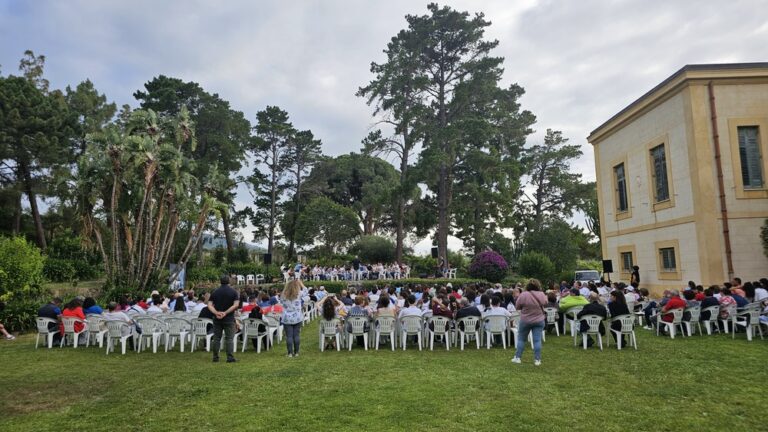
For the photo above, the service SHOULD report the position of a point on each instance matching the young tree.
(270, 147)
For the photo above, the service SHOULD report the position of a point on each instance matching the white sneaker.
(537, 362)
(648, 328)
(516, 360)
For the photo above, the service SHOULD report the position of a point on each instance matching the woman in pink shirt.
(531, 305)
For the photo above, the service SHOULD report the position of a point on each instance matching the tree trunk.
(296, 210)
(39, 231)
(273, 206)
(227, 232)
(17, 215)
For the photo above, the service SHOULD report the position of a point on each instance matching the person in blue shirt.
(90, 307)
(740, 301)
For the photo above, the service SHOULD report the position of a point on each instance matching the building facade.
(682, 178)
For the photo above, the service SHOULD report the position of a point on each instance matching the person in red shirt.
(73, 309)
(675, 302)
(700, 293)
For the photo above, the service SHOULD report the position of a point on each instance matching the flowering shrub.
(488, 265)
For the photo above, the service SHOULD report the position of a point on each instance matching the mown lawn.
(695, 384)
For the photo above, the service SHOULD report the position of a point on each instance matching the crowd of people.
(353, 271)
(393, 299)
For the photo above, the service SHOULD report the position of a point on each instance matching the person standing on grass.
(293, 315)
(222, 304)
(530, 304)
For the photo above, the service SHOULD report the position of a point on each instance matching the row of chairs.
(457, 332)
(747, 317)
(249, 279)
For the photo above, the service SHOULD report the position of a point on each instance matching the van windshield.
(587, 275)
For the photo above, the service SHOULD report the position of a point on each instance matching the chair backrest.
(713, 312)
(271, 320)
(69, 323)
(329, 327)
(627, 322)
(496, 323)
(251, 327)
(94, 322)
(551, 314)
(411, 324)
(386, 324)
(593, 321)
(470, 324)
(439, 323)
(677, 316)
(151, 325)
(177, 325)
(754, 315)
(572, 312)
(115, 327)
(357, 324)
(200, 326)
(514, 320)
(42, 324)
(695, 312)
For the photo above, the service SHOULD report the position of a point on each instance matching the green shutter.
(751, 159)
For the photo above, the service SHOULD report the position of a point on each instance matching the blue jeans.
(292, 332)
(522, 337)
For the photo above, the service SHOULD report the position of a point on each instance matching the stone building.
(682, 178)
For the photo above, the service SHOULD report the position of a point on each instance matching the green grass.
(696, 384)
(66, 289)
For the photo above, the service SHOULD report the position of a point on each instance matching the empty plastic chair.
(47, 328)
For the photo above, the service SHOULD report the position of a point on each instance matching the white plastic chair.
(551, 319)
(254, 328)
(259, 278)
(385, 326)
(627, 328)
(711, 323)
(152, 329)
(495, 325)
(200, 331)
(439, 326)
(356, 327)
(411, 326)
(470, 329)
(695, 316)
(178, 328)
(69, 330)
(250, 279)
(640, 314)
(730, 320)
(329, 330)
(240, 279)
(570, 318)
(749, 318)
(96, 329)
(44, 331)
(275, 328)
(677, 321)
(593, 321)
(115, 332)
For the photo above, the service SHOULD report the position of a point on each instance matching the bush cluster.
(488, 265)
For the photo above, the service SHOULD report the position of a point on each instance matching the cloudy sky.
(579, 61)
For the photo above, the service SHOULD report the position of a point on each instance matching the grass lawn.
(695, 384)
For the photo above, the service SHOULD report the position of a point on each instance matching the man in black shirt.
(52, 310)
(223, 303)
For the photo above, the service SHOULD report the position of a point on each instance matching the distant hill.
(212, 242)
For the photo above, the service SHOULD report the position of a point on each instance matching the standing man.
(222, 304)
(635, 281)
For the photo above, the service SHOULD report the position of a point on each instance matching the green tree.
(304, 151)
(271, 148)
(21, 269)
(536, 265)
(139, 177)
(556, 190)
(223, 135)
(374, 249)
(363, 183)
(34, 128)
(555, 239)
(326, 224)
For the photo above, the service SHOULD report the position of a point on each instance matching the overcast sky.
(579, 61)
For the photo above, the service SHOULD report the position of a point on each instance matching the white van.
(587, 275)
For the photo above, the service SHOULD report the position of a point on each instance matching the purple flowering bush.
(488, 265)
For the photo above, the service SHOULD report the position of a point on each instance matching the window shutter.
(750, 157)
